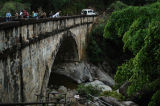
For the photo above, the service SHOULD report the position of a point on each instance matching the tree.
(138, 28)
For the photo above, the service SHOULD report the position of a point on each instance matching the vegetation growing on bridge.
(138, 28)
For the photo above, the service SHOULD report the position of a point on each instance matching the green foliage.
(117, 6)
(155, 101)
(124, 72)
(138, 2)
(94, 50)
(138, 28)
(13, 7)
(89, 90)
(68, 7)
(95, 57)
(114, 94)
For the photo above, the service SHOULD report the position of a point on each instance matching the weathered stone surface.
(28, 51)
(10, 79)
(100, 85)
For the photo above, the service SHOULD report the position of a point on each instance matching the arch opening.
(67, 53)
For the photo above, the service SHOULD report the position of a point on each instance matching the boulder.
(76, 71)
(100, 85)
(93, 104)
(129, 103)
(84, 72)
(111, 101)
(99, 74)
(62, 89)
(105, 78)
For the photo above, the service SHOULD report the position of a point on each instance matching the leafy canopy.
(139, 29)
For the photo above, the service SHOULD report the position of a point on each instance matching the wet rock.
(100, 85)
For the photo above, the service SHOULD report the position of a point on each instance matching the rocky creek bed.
(65, 78)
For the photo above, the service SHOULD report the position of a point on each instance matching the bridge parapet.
(23, 32)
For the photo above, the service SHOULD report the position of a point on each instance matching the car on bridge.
(88, 12)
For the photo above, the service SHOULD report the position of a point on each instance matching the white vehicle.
(88, 12)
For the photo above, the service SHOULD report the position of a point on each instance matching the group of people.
(21, 14)
(25, 14)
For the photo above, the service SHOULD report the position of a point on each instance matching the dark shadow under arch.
(68, 52)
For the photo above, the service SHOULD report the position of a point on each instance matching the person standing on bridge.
(50, 14)
(25, 14)
(34, 14)
(21, 14)
(16, 15)
(56, 15)
(8, 16)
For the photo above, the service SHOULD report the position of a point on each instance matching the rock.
(62, 101)
(129, 103)
(117, 90)
(62, 89)
(105, 78)
(93, 104)
(107, 67)
(111, 101)
(76, 71)
(84, 72)
(100, 85)
(123, 88)
(99, 74)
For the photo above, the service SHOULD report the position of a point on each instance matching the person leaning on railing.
(8, 16)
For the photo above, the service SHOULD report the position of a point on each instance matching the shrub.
(13, 7)
(114, 94)
(89, 90)
(118, 5)
(94, 48)
(155, 101)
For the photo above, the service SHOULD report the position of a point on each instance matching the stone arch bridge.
(29, 49)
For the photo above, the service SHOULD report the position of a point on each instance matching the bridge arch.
(67, 51)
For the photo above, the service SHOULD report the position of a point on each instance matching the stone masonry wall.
(27, 52)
